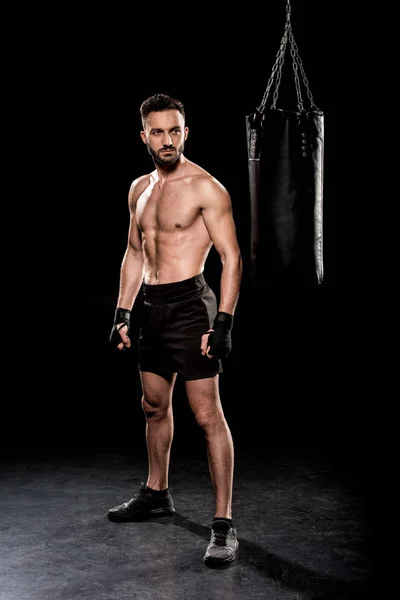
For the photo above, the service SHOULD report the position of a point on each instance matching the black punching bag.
(285, 162)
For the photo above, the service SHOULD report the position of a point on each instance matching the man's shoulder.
(202, 178)
(208, 183)
(142, 180)
(139, 184)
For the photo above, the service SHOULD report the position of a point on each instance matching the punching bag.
(285, 166)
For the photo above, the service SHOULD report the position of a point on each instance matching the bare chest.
(170, 208)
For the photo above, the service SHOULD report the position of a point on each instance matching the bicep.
(134, 235)
(219, 221)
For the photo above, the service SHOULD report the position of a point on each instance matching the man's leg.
(157, 407)
(204, 399)
(153, 499)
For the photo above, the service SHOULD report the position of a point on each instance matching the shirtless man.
(177, 212)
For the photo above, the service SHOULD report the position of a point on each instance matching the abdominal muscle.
(174, 256)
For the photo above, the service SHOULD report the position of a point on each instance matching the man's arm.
(131, 272)
(218, 218)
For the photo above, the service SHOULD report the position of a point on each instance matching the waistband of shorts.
(175, 291)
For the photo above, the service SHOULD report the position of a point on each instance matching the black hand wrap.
(219, 340)
(122, 317)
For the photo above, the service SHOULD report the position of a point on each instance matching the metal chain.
(279, 59)
(277, 68)
(295, 51)
(279, 71)
(296, 74)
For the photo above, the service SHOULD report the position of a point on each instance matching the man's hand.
(217, 342)
(123, 333)
(119, 336)
(205, 348)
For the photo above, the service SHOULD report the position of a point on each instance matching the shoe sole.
(215, 562)
(151, 514)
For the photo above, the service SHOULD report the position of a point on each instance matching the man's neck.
(166, 172)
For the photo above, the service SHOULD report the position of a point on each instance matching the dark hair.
(158, 103)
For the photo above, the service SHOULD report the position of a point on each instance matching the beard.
(165, 160)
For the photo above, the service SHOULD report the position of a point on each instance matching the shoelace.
(219, 537)
(138, 497)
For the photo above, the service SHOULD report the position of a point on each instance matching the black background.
(291, 380)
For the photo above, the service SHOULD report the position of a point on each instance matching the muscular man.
(177, 212)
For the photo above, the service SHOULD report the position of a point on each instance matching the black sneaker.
(224, 544)
(144, 505)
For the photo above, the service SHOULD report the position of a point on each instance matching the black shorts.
(175, 316)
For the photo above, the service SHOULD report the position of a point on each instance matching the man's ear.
(143, 136)
(186, 132)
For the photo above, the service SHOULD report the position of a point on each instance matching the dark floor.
(302, 519)
(72, 446)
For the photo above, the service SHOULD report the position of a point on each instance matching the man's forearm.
(231, 277)
(131, 278)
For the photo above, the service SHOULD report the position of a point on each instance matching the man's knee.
(154, 408)
(209, 418)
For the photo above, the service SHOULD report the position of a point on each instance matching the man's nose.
(167, 140)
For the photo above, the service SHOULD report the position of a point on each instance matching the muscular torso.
(175, 239)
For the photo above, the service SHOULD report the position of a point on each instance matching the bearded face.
(165, 134)
(166, 155)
